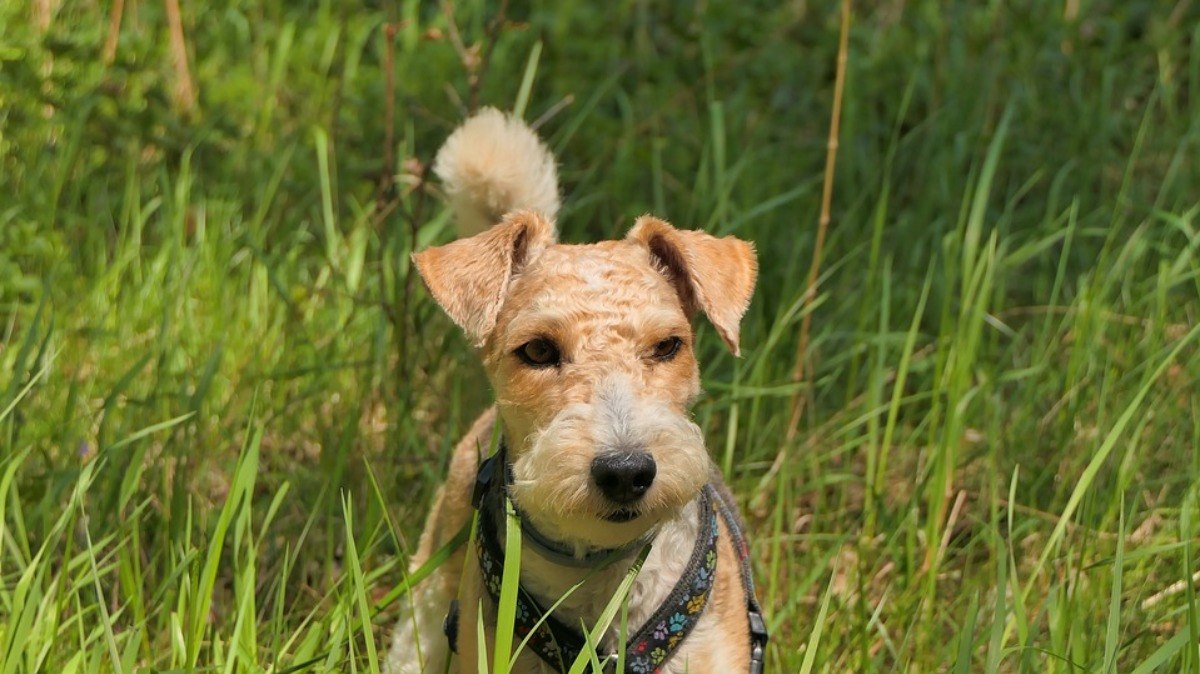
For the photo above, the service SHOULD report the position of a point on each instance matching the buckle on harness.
(758, 642)
(483, 480)
(450, 625)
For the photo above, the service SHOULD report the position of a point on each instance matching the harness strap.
(758, 626)
(660, 636)
(531, 537)
(558, 644)
(667, 627)
(552, 640)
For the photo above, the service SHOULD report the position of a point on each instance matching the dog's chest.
(706, 651)
(663, 567)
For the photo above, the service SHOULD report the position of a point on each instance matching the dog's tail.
(494, 164)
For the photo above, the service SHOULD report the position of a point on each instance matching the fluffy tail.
(494, 164)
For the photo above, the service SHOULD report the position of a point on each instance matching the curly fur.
(494, 164)
(605, 306)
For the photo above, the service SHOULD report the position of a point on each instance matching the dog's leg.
(468, 617)
(418, 642)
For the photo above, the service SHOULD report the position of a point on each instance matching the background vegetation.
(225, 400)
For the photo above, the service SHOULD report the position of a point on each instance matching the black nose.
(624, 476)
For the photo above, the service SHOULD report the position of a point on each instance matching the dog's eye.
(539, 353)
(666, 349)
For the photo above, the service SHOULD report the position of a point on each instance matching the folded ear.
(712, 275)
(469, 278)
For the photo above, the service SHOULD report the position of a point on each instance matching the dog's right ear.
(712, 275)
(469, 277)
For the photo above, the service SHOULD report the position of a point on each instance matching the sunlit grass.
(225, 401)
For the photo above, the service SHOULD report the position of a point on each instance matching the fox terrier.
(589, 350)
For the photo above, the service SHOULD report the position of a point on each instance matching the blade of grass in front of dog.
(810, 651)
(480, 640)
(531, 67)
(554, 607)
(591, 649)
(623, 636)
(550, 611)
(408, 580)
(435, 560)
(609, 613)
(510, 583)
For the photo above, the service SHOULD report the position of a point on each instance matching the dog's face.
(589, 351)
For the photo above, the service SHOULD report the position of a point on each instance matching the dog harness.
(652, 646)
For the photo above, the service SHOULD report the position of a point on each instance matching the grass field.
(225, 399)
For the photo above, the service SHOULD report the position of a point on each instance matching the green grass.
(225, 399)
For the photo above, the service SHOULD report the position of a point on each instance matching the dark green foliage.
(221, 380)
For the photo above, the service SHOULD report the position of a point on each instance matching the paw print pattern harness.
(652, 646)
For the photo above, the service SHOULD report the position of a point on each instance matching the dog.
(589, 351)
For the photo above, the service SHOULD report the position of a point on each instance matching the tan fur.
(494, 164)
(713, 275)
(605, 306)
(470, 277)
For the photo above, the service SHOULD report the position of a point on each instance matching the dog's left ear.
(712, 275)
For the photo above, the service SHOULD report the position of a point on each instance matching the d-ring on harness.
(660, 637)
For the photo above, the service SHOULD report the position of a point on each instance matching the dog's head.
(589, 349)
